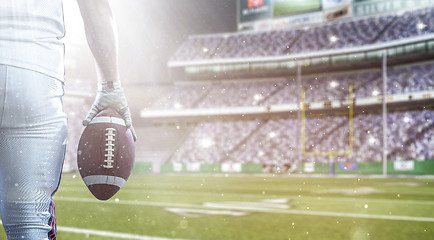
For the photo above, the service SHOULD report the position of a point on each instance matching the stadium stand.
(271, 144)
(345, 34)
(230, 93)
(349, 33)
(410, 24)
(245, 93)
(272, 43)
(276, 139)
(182, 96)
(198, 48)
(215, 140)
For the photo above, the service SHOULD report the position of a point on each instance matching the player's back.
(30, 35)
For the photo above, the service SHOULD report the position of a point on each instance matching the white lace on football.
(110, 144)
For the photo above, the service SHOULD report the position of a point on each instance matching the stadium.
(309, 119)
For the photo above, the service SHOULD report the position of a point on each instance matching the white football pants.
(32, 149)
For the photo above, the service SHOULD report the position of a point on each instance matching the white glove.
(111, 95)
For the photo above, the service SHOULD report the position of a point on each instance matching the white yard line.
(346, 198)
(350, 199)
(83, 231)
(352, 215)
(109, 234)
(269, 210)
(125, 202)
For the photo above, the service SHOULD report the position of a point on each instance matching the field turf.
(248, 207)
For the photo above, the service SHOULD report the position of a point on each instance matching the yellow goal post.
(331, 154)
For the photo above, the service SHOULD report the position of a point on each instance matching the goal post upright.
(303, 122)
(351, 114)
(330, 154)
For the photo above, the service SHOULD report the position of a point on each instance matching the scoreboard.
(265, 14)
(272, 14)
(287, 7)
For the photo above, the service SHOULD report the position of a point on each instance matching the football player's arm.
(101, 34)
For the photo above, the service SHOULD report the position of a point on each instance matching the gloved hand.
(111, 95)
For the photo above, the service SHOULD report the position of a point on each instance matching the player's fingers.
(133, 132)
(91, 114)
(126, 115)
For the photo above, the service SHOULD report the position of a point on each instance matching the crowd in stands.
(232, 94)
(335, 35)
(199, 47)
(278, 141)
(283, 91)
(273, 142)
(218, 138)
(183, 96)
(410, 24)
(272, 43)
(344, 34)
(416, 78)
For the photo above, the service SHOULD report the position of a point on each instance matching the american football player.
(32, 123)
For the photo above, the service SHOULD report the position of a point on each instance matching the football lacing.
(110, 144)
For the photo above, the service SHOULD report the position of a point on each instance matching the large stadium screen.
(288, 7)
(253, 10)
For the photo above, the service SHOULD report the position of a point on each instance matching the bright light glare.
(206, 143)
(258, 97)
(272, 134)
(406, 119)
(177, 105)
(334, 84)
(421, 26)
(375, 93)
(333, 38)
(372, 140)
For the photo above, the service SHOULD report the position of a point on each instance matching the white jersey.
(31, 33)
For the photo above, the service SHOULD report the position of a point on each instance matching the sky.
(150, 31)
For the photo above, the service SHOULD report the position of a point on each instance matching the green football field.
(248, 207)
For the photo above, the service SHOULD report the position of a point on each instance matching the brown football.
(105, 154)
